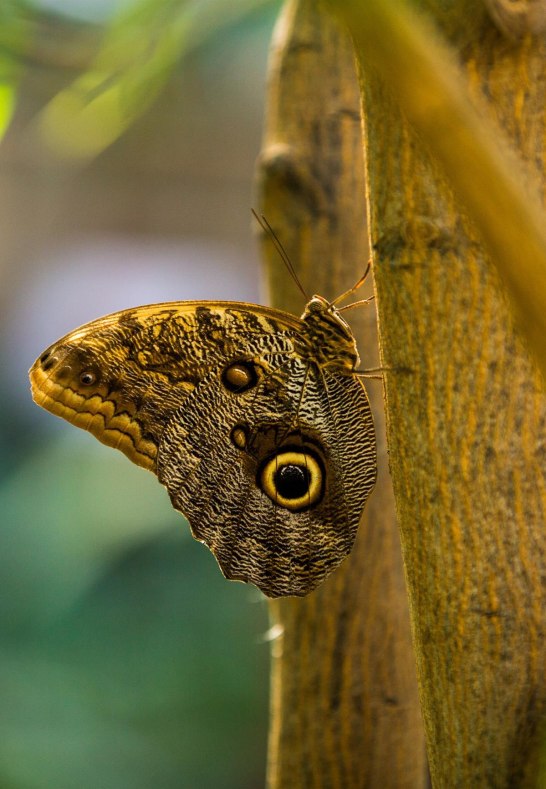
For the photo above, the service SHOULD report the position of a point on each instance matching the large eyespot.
(293, 478)
(240, 376)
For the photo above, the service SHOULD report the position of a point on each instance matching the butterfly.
(253, 419)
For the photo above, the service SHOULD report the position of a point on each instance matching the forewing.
(123, 376)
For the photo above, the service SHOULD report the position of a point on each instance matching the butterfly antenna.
(355, 287)
(359, 303)
(266, 227)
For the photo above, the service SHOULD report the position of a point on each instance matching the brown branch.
(344, 697)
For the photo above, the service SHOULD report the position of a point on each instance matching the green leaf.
(15, 34)
(7, 105)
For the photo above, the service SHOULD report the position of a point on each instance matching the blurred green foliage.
(141, 44)
(126, 659)
(138, 52)
(14, 31)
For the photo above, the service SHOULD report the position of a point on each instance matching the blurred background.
(129, 135)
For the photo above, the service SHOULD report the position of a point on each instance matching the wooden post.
(467, 426)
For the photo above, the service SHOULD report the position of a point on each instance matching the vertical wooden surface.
(344, 710)
(467, 428)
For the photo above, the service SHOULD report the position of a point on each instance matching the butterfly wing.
(121, 376)
(270, 457)
(285, 546)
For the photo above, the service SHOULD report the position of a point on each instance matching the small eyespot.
(293, 478)
(64, 372)
(88, 378)
(240, 376)
(239, 436)
(49, 361)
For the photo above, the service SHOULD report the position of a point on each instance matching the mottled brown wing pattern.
(254, 539)
(251, 418)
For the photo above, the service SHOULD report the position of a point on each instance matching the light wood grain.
(467, 427)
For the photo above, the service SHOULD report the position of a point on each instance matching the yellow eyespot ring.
(293, 478)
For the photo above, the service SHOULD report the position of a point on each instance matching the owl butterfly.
(252, 418)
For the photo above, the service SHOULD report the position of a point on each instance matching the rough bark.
(344, 710)
(467, 427)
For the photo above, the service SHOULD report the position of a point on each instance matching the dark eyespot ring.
(293, 477)
(88, 377)
(240, 376)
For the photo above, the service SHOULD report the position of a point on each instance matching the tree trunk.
(467, 425)
(344, 710)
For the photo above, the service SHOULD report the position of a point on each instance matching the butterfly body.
(252, 418)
